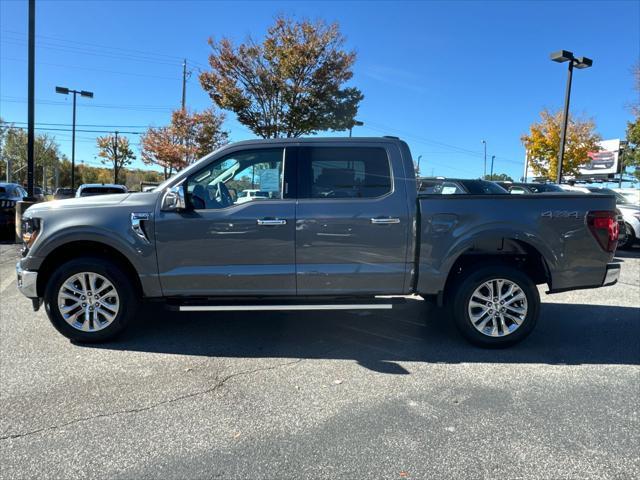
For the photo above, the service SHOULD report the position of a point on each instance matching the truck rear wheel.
(90, 300)
(495, 306)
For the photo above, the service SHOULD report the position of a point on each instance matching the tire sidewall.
(473, 280)
(123, 286)
(630, 237)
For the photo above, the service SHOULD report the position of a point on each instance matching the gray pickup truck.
(337, 224)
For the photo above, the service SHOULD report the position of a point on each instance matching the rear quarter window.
(344, 172)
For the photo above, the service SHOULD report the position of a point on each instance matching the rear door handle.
(385, 221)
(271, 221)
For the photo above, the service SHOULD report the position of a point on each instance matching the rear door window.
(344, 172)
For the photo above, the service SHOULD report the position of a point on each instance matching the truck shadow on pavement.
(570, 334)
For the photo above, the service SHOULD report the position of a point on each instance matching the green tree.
(498, 177)
(116, 155)
(289, 85)
(631, 156)
(543, 144)
(14, 154)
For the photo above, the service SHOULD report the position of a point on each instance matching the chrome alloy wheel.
(88, 301)
(497, 307)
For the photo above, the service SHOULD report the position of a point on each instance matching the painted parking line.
(6, 282)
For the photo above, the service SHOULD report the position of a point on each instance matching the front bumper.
(27, 282)
(612, 275)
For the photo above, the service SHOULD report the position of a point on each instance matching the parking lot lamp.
(83, 93)
(562, 56)
(356, 123)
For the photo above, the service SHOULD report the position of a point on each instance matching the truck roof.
(300, 140)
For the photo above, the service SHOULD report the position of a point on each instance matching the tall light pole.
(83, 93)
(484, 174)
(562, 56)
(493, 157)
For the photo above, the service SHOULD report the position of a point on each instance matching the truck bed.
(551, 225)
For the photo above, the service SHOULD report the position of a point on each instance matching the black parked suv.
(457, 186)
(10, 194)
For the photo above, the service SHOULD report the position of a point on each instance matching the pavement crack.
(186, 396)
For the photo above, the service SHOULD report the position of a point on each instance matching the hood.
(135, 200)
(82, 202)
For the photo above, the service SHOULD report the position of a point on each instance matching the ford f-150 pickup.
(338, 224)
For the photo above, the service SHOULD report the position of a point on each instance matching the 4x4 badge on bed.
(559, 214)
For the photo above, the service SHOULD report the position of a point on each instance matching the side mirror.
(174, 199)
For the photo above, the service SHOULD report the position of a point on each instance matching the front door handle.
(385, 221)
(271, 221)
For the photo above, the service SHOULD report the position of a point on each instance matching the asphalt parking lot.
(324, 395)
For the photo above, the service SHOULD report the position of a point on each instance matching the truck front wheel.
(495, 306)
(90, 300)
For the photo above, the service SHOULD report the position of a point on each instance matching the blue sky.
(441, 75)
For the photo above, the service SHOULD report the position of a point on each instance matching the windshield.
(481, 187)
(86, 192)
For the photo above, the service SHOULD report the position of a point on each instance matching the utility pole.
(31, 138)
(184, 84)
(484, 174)
(493, 157)
(621, 152)
(115, 159)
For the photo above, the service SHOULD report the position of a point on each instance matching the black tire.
(112, 271)
(466, 286)
(629, 239)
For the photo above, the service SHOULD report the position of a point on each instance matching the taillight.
(604, 227)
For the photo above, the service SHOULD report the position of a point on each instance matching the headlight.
(30, 230)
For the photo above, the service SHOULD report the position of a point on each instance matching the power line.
(107, 47)
(57, 43)
(77, 124)
(456, 148)
(80, 130)
(94, 69)
(146, 108)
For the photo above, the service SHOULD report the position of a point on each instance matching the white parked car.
(574, 188)
(91, 189)
(631, 194)
(251, 194)
(630, 214)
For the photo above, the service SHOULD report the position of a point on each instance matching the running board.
(245, 308)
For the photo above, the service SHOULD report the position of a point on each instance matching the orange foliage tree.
(187, 138)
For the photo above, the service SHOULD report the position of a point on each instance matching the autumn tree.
(289, 85)
(116, 154)
(189, 137)
(543, 144)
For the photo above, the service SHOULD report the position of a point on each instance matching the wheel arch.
(81, 248)
(514, 252)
